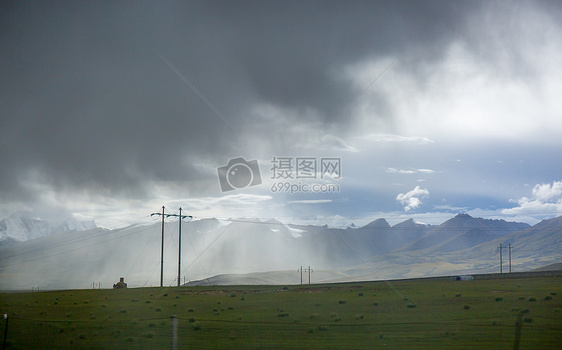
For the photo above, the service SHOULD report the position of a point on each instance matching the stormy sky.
(110, 110)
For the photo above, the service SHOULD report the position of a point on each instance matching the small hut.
(121, 284)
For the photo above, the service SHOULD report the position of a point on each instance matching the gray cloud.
(88, 105)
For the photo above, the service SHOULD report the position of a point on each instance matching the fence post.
(518, 325)
(5, 332)
(174, 332)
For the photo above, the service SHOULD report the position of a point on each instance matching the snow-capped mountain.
(20, 228)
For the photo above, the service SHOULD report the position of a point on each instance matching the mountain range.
(20, 228)
(271, 252)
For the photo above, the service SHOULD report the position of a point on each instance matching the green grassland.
(426, 314)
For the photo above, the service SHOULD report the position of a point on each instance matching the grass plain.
(422, 314)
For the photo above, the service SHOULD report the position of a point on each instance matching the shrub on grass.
(190, 310)
(411, 306)
(283, 314)
(375, 304)
(158, 309)
(528, 319)
(359, 316)
(196, 326)
(499, 299)
(521, 298)
(553, 293)
(123, 311)
(360, 294)
(342, 302)
(467, 307)
(532, 299)
(458, 295)
(548, 297)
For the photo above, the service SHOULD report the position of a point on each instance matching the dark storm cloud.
(88, 103)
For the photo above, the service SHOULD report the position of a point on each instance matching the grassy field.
(394, 315)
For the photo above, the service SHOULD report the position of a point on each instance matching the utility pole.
(510, 258)
(179, 241)
(501, 262)
(179, 244)
(300, 269)
(162, 248)
(508, 248)
(179, 252)
(309, 270)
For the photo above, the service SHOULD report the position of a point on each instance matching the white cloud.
(412, 199)
(312, 201)
(395, 138)
(409, 171)
(399, 171)
(547, 192)
(546, 199)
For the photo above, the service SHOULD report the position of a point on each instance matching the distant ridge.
(551, 267)
(18, 228)
(233, 249)
(377, 224)
(461, 232)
